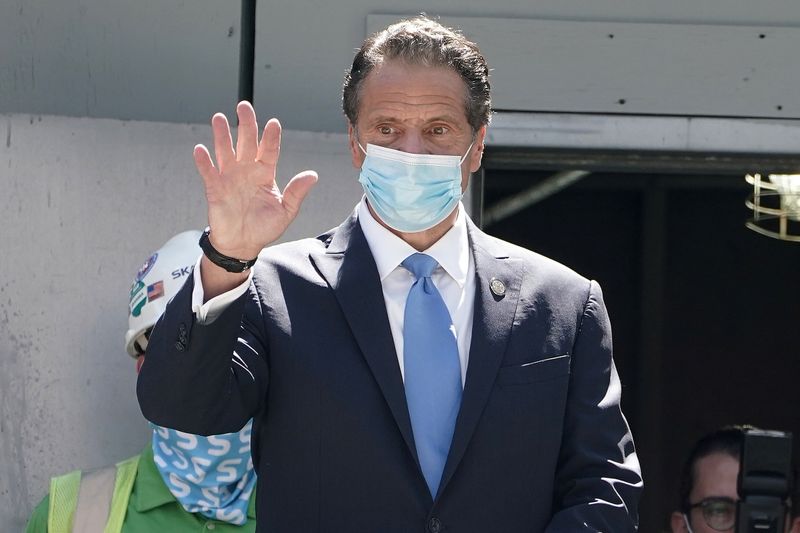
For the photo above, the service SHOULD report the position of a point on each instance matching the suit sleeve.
(598, 481)
(205, 379)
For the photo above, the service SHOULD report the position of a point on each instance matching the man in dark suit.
(405, 371)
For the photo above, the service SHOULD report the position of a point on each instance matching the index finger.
(223, 143)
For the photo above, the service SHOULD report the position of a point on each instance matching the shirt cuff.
(207, 312)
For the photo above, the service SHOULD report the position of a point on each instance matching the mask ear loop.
(474, 136)
(464, 158)
(686, 521)
(355, 134)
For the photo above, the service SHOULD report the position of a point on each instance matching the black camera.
(765, 481)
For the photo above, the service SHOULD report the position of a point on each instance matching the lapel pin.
(497, 287)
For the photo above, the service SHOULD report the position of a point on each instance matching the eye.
(716, 510)
(385, 130)
(720, 509)
(439, 130)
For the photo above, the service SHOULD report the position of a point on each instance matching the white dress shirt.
(454, 278)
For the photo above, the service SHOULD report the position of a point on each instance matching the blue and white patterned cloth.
(212, 476)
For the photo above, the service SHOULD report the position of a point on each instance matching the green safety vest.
(93, 501)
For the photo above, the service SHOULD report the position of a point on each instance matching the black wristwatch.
(231, 264)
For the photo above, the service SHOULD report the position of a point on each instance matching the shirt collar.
(150, 491)
(451, 251)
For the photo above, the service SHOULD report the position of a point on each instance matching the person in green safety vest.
(180, 482)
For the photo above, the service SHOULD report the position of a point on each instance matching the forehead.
(404, 92)
(715, 475)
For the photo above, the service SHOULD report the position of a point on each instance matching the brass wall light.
(775, 203)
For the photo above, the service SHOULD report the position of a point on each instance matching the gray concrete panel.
(173, 61)
(303, 49)
(643, 133)
(177, 61)
(637, 68)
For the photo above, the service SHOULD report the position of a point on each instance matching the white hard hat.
(157, 281)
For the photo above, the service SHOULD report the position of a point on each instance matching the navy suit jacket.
(540, 443)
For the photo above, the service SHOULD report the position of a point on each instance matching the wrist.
(232, 247)
(230, 263)
(215, 280)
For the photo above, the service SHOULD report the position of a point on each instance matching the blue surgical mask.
(212, 476)
(411, 192)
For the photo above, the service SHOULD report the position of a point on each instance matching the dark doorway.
(705, 313)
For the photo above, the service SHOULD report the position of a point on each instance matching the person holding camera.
(708, 487)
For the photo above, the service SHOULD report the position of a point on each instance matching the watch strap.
(231, 264)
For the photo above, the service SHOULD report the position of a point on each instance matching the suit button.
(434, 525)
(183, 338)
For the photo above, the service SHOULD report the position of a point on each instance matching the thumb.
(296, 190)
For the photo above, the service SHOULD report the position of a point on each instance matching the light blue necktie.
(432, 370)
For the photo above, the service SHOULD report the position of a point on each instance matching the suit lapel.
(349, 269)
(492, 319)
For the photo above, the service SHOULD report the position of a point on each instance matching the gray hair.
(422, 41)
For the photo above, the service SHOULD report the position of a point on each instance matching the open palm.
(246, 208)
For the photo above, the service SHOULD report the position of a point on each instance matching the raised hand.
(246, 208)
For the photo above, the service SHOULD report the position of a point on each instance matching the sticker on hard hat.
(138, 298)
(146, 267)
(156, 290)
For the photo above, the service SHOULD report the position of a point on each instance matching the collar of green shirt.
(150, 492)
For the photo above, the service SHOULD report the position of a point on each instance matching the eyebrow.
(381, 118)
(444, 118)
(449, 119)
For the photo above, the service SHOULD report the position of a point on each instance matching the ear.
(356, 155)
(677, 523)
(795, 525)
(139, 363)
(477, 150)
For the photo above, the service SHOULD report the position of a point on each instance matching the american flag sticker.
(154, 291)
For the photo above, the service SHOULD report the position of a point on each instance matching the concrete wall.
(83, 203)
(177, 61)
(572, 58)
(173, 61)
(635, 68)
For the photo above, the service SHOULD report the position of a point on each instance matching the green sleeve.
(38, 521)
